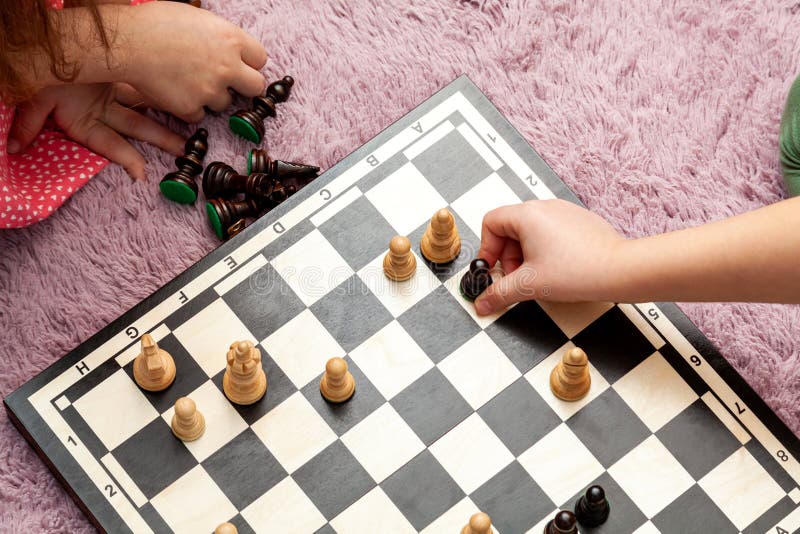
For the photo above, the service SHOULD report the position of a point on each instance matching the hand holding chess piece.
(244, 381)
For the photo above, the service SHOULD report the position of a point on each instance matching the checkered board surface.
(452, 413)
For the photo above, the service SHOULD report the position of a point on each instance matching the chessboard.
(452, 413)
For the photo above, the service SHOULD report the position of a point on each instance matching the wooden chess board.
(452, 412)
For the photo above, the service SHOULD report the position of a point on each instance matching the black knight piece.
(180, 185)
(476, 279)
(249, 123)
(592, 508)
(259, 161)
(563, 523)
(221, 180)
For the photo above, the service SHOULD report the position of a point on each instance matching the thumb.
(28, 122)
(512, 288)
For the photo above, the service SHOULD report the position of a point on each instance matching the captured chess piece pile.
(233, 198)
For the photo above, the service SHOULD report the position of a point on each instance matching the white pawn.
(245, 381)
(188, 423)
(226, 528)
(479, 523)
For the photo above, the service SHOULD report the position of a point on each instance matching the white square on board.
(539, 377)
(209, 334)
(193, 502)
(572, 317)
(62, 403)
(647, 528)
(655, 391)
(455, 518)
(99, 407)
(391, 359)
(398, 297)
(223, 422)
(471, 453)
(284, 508)
(406, 199)
(374, 512)
(453, 286)
(489, 194)
(382, 442)
(479, 370)
(312, 267)
(561, 479)
(302, 347)
(741, 488)
(294, 432)
(795, 495)
(651, 476)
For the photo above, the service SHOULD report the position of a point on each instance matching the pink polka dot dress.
(36, 181)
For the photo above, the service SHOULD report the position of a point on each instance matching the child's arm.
(555, 250)
(178, 57)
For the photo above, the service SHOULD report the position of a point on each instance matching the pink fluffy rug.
(659, 114)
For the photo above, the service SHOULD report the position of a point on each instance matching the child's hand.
(549, 250)
(96, 116)
(182, 58)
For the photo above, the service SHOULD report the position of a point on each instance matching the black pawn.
(221, 180)
(563, 523)
(476, 279)
(260, 161)
(592, 508)
(249, 123)
(180, 185)
(223, 214)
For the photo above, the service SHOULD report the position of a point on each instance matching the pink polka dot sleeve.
(35, 182)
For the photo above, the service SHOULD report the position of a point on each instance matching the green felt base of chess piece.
(213, 218)
(789, 140)
(178, 192)
(243, 129)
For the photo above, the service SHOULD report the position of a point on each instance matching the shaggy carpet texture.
(659, 114)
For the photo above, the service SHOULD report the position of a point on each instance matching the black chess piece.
(180, 185)
(563, 523)
(249, 123)
(259, 161)
(592, 508)
(225, 214)
(476, 279)
(222, 181)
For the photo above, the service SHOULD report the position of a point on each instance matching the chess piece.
(441, 243)
(563, 523)
(479, 523)
(153, 368)
(245, 381)
(259, 161)
(188, 423)
(226, 528)
(250, 123)
(570, 379)
(337, 384)
(592, 508)
(399, 263)
(222, 181)
(475, 280)
(222, 214)
(180, 185)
